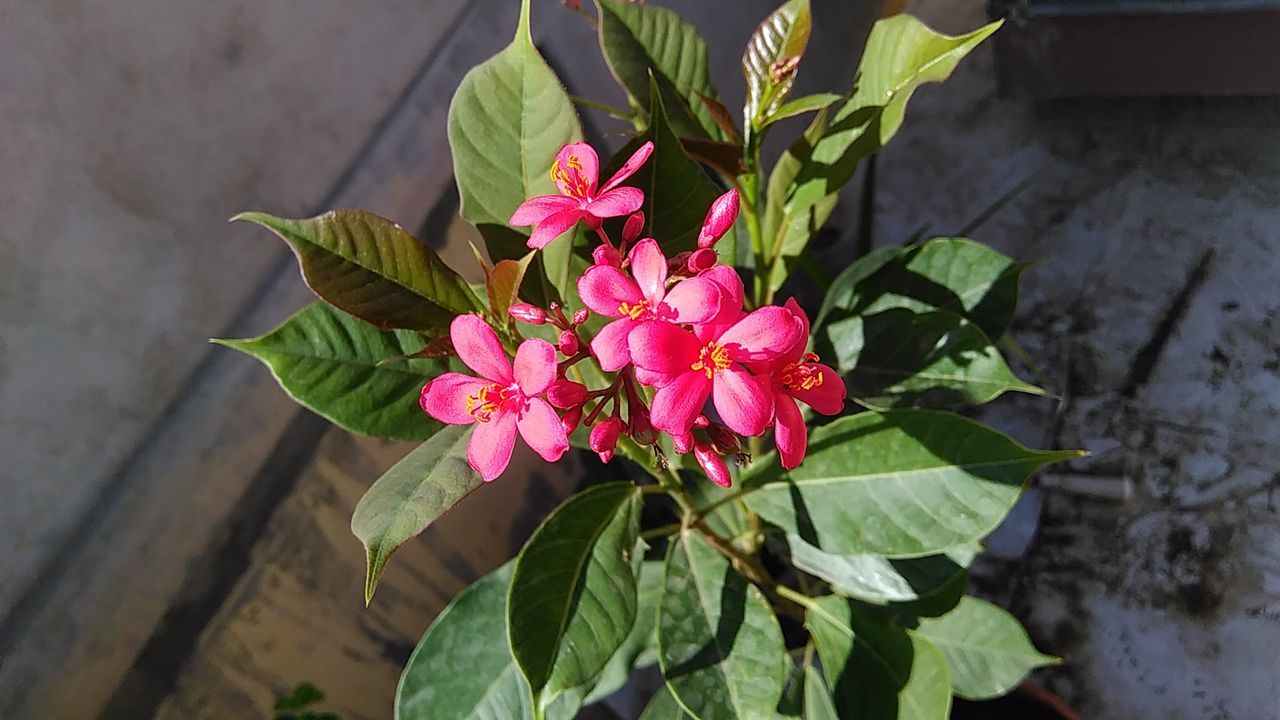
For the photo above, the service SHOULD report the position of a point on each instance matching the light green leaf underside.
(904, 483)
(987, 648)
(348, 371)
(718, 640)
(573, 596)
(424, 485)
(818, 704)
(370, 267)
(663, 706)
(880, 580)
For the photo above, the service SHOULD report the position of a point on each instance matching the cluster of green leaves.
(877, 527)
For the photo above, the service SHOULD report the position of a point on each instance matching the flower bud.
(722, 215)
(607, 255)
(631, 230)
(712, 464)
(723, 439)
(604, 438)
(581, 316)
(701, 259)
(701, 421)
(682, 443)
(569, 421)
(566, 393)
(569, 343)
(529, 314)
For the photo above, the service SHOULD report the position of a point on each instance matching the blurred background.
(175, 531)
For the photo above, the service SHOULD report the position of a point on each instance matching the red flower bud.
(526, 313)
(640, 427)
(566, 393)
(712, 464)
(683, 442)
(722, 215)
(581, 316)
(723, 439)
(701, 259)
(569, 421)
(607, 255)
(569, 343)
(604, 438)
(631, 230)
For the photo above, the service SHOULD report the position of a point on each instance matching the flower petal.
(679, 402)
(491, 444)
(610, 345)
(789, 432)
(445, 397)
(541, 429)
(692, 301)
(653, 379)
(604, 287)
(588, 163)
(649, 268)
(478, 346)
(616, 202)
(730, 283)
(827, 398)
(630, 167)
(663, 347)
(763, 335)
(535, 210)
(743, 401)
(535, 366)
(797, 351)
(553, 227)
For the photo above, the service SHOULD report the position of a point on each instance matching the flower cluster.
(679, 334)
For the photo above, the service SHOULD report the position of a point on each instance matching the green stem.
(663, 531)
(610, 110)
(735, 495)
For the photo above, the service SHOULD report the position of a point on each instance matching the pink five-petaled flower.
(689, 367)
(502, 401)
(610, 292)
(576, 171)
(797, 375)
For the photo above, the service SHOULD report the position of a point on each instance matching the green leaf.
(802, 105)
(462, 667)
(877, 671)
(986, 647)
(373, 269)
(411, 495)
(842, 294)
(728, 520)
(508, 119)
(663, 706)
(780, 39)
(718, 640)
(880, 580)
(901, 55)
(302, 696)
(901, 358)
(640, 649)
(953, 274)
(677, 191)
(778, 213)
(639, 41)
(817, 699)
(905, 483)
(573, 596)
(348, 371)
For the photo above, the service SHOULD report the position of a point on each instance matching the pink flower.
(575, 171)
(502, 401)
(797, 375)
(720, 218)
(688, 367)
(609, 291)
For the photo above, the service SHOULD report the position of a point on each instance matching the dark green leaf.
(348, 371)
(508, 119)
(901, 55)
(663, 706)
(678, 192)
(817, 699)
(718, 640)
(987, 649)
(779, 214)
(573, 596)
(880, 580)
(640, 649)
(302, 696)
(901, 358)
(842, 294)
(905, 483)
(728, 520)
(643, 40)
(877, 671)
(371, 268)
(411, 495)
(779, 40)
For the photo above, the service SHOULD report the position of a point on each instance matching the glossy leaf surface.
(880, 580)
(779, 40)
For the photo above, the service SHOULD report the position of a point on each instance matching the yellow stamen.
(712, 359)
(801, 376)
(635, 312)
(489, 400)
